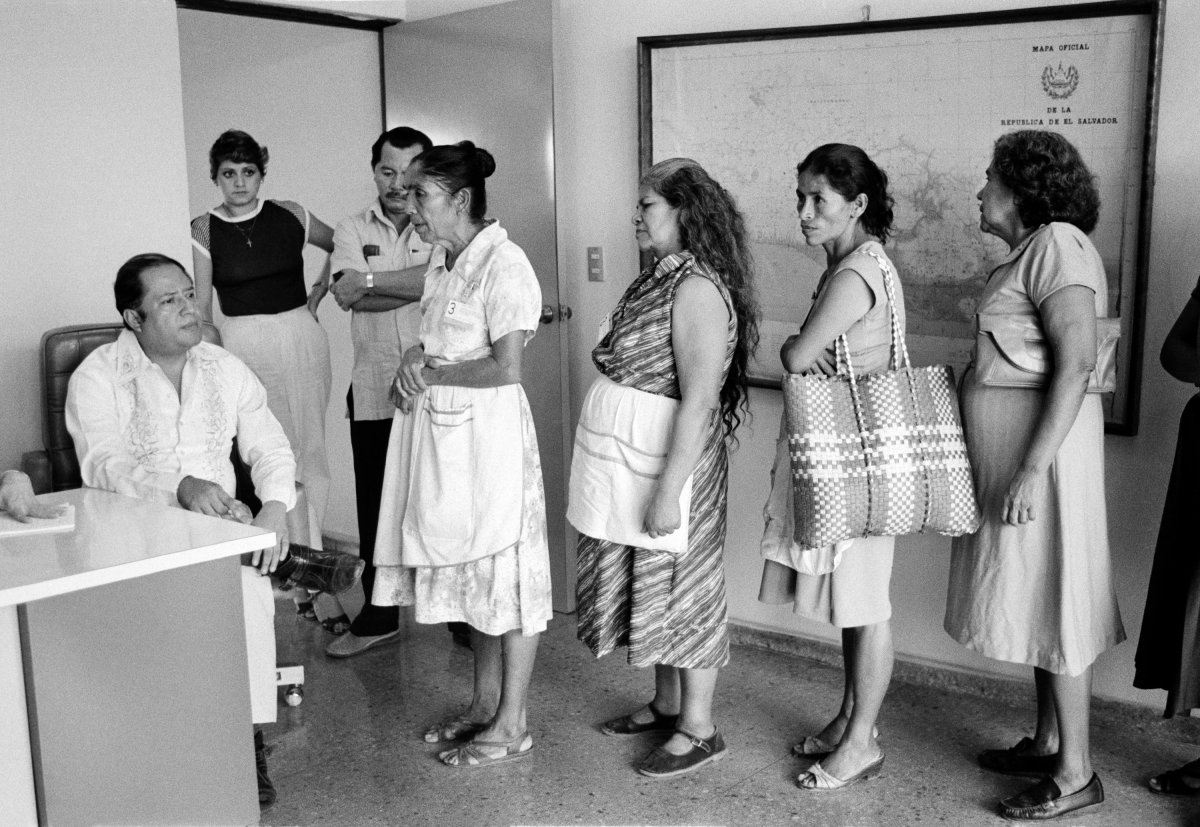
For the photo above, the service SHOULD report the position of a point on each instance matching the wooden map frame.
(1121, 418)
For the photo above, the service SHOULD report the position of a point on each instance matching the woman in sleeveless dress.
(845, 208)
(673, 359)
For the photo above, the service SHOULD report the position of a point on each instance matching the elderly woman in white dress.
(462, 525)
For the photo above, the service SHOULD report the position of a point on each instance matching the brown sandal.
(1174, 782)
(453, 730)
(470, 755)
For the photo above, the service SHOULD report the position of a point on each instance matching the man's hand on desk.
(206, 497)
(17, 499)
(272, 517)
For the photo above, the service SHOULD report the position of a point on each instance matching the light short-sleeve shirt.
(491, 291)
(1055, 256)
(369, 242)
(135, 435)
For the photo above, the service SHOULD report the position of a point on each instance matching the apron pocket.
(442, 503)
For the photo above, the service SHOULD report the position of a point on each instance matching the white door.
(486, 76)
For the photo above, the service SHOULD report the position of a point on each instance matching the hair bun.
(485, 162)
(481, 159)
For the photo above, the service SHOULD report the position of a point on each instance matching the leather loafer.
(1016, 761)
(1044, 800)
(662, 764)
(350, 644)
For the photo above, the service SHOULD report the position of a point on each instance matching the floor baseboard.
(993, 687)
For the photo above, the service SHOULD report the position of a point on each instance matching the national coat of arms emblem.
(1060, 83)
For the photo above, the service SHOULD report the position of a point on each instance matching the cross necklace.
(237, 225)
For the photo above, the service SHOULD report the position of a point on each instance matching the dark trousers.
(369, 442)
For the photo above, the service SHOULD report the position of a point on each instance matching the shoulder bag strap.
(900, 358)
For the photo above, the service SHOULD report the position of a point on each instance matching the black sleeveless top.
(258, 262)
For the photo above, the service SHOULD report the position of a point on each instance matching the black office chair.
(55, 467)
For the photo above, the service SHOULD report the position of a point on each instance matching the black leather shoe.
(1016, 761)
(332, 572)
(266, 790)
(626, 725)
(1044, 800)
(662, 764)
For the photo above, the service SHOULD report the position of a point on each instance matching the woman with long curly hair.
(843, 203)
(1034, 584)
(650, 468)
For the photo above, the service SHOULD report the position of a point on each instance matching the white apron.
(455, 477)
(621, 448)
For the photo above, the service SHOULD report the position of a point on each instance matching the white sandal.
(813, 747)
(816, 779)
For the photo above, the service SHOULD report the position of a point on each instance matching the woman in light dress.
(462, 524)
(844, 206)
(650, 469)
(1034, 584)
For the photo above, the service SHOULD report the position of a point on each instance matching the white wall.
(595, 99)
(312, 95)
(93, 173)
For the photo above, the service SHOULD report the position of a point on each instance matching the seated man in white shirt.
(154, 415)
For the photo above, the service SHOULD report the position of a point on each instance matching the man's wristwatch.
(371, 283)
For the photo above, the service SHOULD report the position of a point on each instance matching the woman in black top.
(252, 252)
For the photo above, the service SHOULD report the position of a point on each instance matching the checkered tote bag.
(880, 455)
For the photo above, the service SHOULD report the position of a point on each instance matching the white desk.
(122, 645)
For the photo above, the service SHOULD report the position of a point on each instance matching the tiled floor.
(352, 753)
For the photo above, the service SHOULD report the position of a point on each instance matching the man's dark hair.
(401, 137)
(129, 290)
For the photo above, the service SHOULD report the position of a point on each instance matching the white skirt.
(289, 352)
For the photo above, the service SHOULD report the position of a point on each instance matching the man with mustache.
(376, 255)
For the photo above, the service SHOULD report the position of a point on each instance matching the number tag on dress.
(451, 307)
(605, 327)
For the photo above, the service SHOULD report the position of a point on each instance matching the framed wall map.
(926, 98)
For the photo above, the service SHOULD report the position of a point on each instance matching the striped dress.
(667, 608)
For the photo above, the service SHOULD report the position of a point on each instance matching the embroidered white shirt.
(134, 434)
(369, 242)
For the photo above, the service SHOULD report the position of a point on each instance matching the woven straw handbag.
(880, 455)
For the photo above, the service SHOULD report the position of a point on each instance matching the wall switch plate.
(595, 263)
